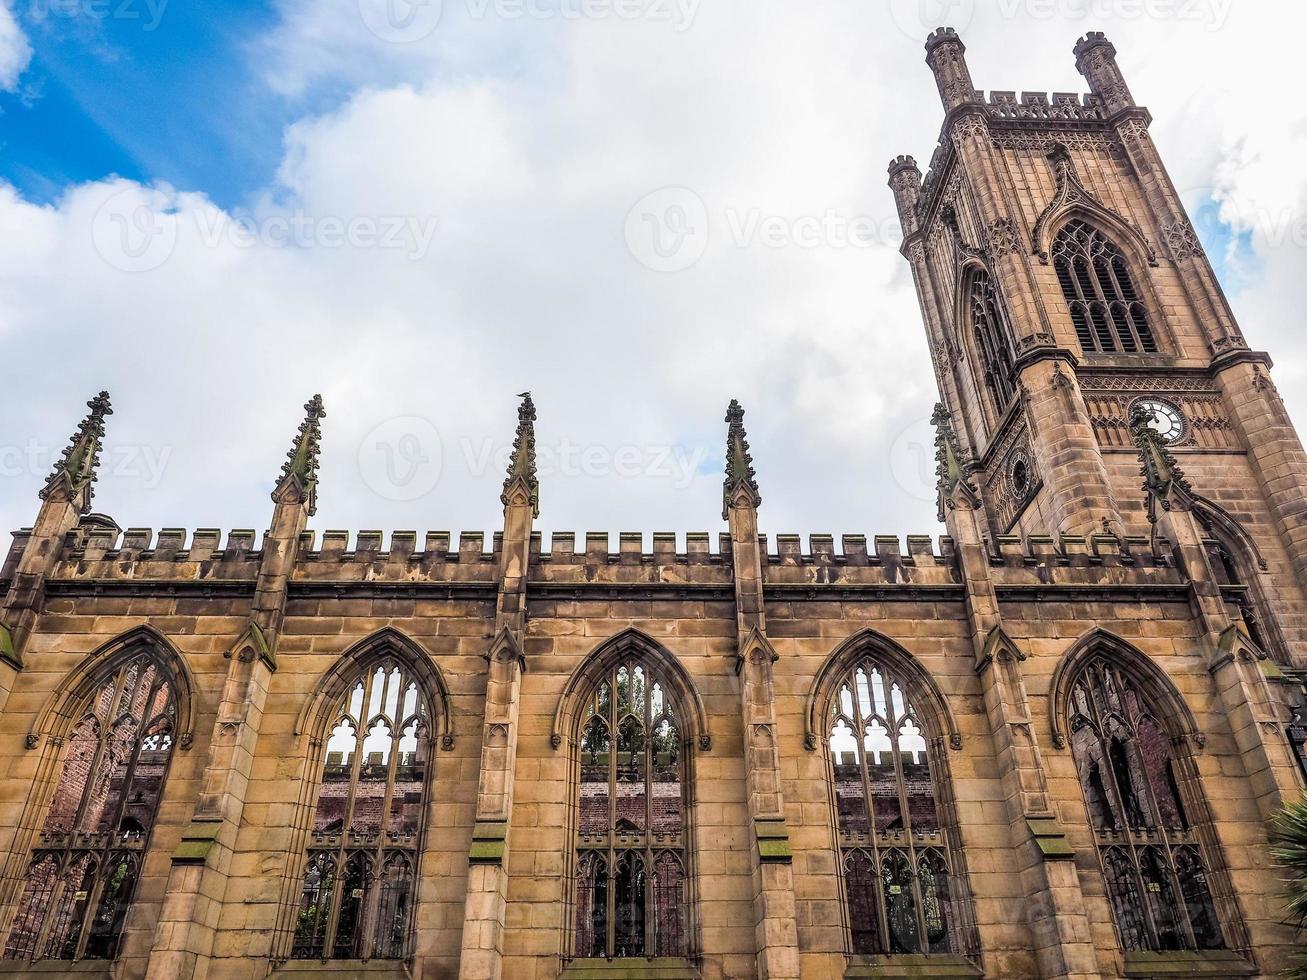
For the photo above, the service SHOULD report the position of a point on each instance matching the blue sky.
(485, 170)
(145, 89)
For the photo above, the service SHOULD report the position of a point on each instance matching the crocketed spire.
(301, 466)
(739, 464)
(953, 468)
(522, 465)
(78, 464)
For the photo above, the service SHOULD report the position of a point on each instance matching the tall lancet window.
(1106, 308)
(630, 871)
(993, 341)
(88, 856)
(358, 892)
(1153, 862)
(899, 878)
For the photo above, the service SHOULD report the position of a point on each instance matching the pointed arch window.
(1135, 790)
(87, 861)
(1106, 308)
(899, 870)
(631, 879)
(359, 886)
(993, 340)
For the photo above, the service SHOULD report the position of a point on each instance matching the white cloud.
(15, 51)
(524, 143)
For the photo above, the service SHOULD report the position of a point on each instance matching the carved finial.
(1164, 480)
(953, 467)
(522, 465)
(78, 464)
(739, 464)
(300, 471)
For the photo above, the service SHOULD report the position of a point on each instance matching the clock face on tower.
(1166, 418)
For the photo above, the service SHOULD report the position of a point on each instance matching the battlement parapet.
(1040, 106)
(941, 35)
(886, 559)
(1071, 551)
(368, 556)
(169, 544)
(1035, 108)
(573, 559)
(371, 546)
(599, 558)
(902, 162)
(1076, 561)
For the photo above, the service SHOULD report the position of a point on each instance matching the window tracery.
(993, 340)
(894, 854)
(631, 845)
(87, 860)
(1157, 880)
(358, 890)
(1106, 308)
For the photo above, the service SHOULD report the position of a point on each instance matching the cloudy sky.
(215, 208)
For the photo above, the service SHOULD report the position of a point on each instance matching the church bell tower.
(1064, 290)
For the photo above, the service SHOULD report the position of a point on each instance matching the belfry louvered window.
(88, 856)
(631, 887)
(358, 891)
(993, 340)
(896, 862)
(1152, 860)
(1106, 308)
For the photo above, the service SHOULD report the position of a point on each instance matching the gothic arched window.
(1106, 308)
(631, 861)
(899, 877)
(993, 340)
(88, 857)
(1157, 880)
(358, 892)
